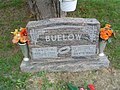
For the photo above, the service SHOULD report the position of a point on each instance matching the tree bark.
(43, 9)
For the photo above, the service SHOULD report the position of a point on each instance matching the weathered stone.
(71, 66)
(63, 38)
(64, 44)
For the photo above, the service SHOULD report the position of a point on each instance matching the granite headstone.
(61, 43)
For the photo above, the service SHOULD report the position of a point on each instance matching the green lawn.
(14, 13)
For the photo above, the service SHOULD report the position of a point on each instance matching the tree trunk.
(43, 9)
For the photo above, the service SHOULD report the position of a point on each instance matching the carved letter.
(47, 38)
(59, 37)
(71, 37)
(78, 36)
(53, 37)
(64, 38)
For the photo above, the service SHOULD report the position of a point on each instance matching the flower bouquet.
(21, 38)
(86, 87)
(106, 34)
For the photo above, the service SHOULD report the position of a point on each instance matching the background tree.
(43, 9)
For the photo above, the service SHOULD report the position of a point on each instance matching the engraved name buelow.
(86, 33)
(66, 37)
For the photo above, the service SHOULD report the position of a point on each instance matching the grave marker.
(60, 43)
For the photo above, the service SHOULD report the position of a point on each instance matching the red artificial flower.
(23, 31)
(20, 36)
(91, 86)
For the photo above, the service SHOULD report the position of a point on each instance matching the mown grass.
(13, 14)
(11, 3)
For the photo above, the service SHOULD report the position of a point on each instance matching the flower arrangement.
(86, 87)
(106, 33)
(20, 36)
(89, 87)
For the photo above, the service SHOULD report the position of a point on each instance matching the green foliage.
(13, 14)
(85, 85)
(41, 73)
(72, 87)
(11, 3)
(105, 11)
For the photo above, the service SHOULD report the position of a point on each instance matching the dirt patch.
(105, 79)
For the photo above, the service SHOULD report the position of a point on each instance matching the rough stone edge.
(103, 62)
(32, 24)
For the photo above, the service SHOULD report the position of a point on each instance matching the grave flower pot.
(24, 49)
(102, 46)
(21, 38)
(106, 34)
(68, 5)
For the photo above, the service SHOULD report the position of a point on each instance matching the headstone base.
(71, 66)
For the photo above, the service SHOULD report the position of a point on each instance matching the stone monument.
(64, 44)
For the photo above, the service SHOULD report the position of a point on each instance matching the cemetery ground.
(15, 14)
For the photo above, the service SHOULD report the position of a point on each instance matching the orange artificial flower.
(109, 32)
(106, 32)
(23, 31)
(20, 36)
(15, 39)
(102, 30)
(104, 36)
(24, 39)
(107, 25)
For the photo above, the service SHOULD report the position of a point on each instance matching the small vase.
(102, 46)
(68, 5)
(25, 51)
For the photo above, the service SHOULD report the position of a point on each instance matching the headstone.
(64, 44)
